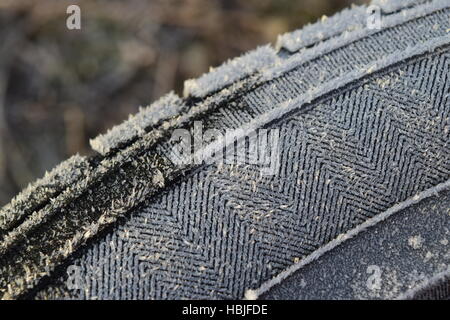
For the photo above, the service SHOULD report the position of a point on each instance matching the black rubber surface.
(384, 262)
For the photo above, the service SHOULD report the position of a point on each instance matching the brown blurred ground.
(58, 88)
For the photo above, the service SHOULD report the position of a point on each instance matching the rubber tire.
(363, 123)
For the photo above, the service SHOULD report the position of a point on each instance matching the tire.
(355, 127)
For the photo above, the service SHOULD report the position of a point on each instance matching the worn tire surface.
(354, 202)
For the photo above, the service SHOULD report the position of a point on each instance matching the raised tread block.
(43, 189)
(230, 72)
(136, 125)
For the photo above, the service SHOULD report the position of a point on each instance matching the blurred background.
(60, 87)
